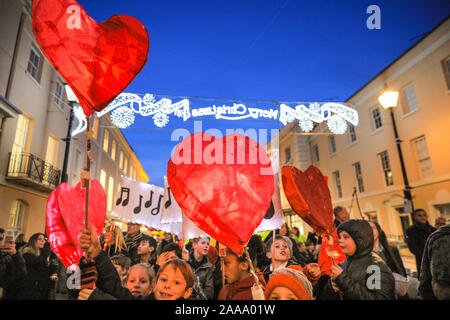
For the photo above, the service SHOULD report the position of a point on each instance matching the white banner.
(173, 219)
(274, 216)
(140, 203)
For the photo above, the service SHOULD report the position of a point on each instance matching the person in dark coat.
(435, 274)
(390, 255)
(340, 215)
(132, 240)
(37, 283)
(365, 276)
(174, 281)
(417, 235)
(203, 269)
(12, 269)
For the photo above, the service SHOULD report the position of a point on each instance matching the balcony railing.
(29, 170)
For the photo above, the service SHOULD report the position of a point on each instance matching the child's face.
(201, 247)
(280, 251)
(171, 285)
(232, 269)
(121, 271)
(144, 247)
(346, 243)
(139, 282)
(282, 293)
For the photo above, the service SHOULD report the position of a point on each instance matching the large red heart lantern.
(223, 185)
(308, 194)
(65, 217)
(98, 61)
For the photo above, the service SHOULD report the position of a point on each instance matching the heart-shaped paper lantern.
(330, 252)
(308, 194)
(223, 185)
(66, 217)
(98, 61)
(60, 241)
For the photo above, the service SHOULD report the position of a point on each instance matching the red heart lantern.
(223, 185)
(98, 61)
(330, 252)
(65, 218)
(308, 194)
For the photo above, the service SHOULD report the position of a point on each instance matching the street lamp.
(388, 100)
(72, 98)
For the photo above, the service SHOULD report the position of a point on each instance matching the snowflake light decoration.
(160, 119)
(305, 124)
(336, 124)
(122, 117)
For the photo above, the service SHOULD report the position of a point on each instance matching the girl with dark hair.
(37, 283)
(391, 256)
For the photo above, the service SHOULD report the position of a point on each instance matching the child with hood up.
(365, 276)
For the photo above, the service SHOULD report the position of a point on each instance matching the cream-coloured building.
(365, 159)
(34, 115)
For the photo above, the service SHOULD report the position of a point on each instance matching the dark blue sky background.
(263, 50)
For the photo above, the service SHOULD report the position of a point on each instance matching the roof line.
(399, 57)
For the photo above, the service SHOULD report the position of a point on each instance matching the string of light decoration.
(124, 108)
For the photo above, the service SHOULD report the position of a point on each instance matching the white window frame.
(373, 120)
(35, 69)
(409, 99)
(446, 68)
(330, 144)
(358, 176)
(352, 133)
(315, 153)
(59, 93)
(384, 170)
(338, 184)
(422, 158)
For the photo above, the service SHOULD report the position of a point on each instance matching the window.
(95, 129)
(315, 153)
(372, 216)
(287, 154)
(18, 163)
(337, 181)
(131, 172)
(58, 94)
(358, 175)
(121, 160)
(332, 144)
(77, 166)
(423, 157)
(34, 64)
(409, 98)
(386, 166)
(106, 141)
(376, 118)
(113, 150)
(405, 218)
(446, 66)
(110, 193)
(125, 166)
(103, 178)
(16, 215)
(52, 148)
(352, 133)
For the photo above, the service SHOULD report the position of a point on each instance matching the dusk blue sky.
(277, 50)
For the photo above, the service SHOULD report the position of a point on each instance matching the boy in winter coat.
(365, 275)
(203, 269)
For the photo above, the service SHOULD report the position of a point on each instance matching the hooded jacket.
(435, 263)
(365, 275)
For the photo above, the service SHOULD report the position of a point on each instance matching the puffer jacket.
(204, 282)
(365, 275)
(435, 262)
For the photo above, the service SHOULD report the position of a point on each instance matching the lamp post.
(388, 100)
(71, 97)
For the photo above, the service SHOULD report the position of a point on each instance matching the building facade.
(34, 115)
(363, 165)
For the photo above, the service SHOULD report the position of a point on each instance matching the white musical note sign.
(139, 202)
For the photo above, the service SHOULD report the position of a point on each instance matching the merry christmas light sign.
(124, 108)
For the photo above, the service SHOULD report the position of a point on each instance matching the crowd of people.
(280, 265)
